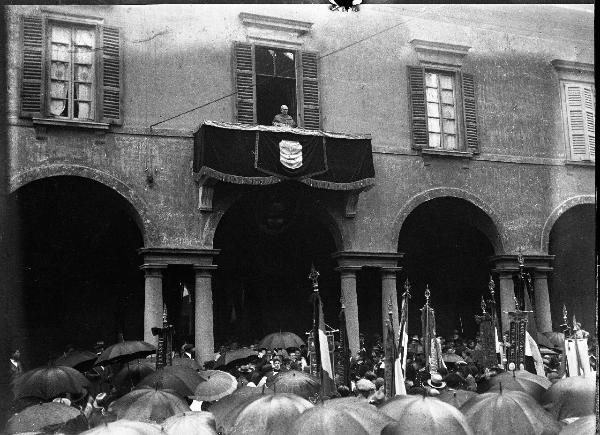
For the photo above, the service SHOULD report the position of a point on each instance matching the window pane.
(449, 126)
(57, 107)
(83, 55)
(265, 63)
(84, 37)
(431, 80)
(433, 125)
(432, 94)
(82, 111)
(285, 66)
(60, 53)
(59, 70)
(58, 89)
(83, 73)
(434, 140)
(446, 82)
(448, 111)
(83, 92)
(433, 109)
(447, 97)
(61, 35)
(450, 141)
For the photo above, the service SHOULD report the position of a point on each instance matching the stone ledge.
(440, 53)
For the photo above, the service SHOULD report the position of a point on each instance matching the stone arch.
(320, 213)
(452, 192)
(137, 205)
(557, 212)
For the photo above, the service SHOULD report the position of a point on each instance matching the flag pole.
(404, 324)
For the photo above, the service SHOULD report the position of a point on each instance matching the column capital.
(178, 255)
(346, 270)
(153, 269)
(205, 270)
(510, 263)
(368, 259)
(390, 272)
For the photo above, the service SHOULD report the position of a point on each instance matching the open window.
(268, 77)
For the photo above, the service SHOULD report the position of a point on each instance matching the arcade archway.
(268, 241)
(573, 280)
(445, 246)
(79, 266)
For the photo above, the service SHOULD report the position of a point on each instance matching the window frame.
(563, 83)
(95, 94)
(461, 145)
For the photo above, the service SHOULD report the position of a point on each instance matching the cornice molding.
(571, 70)
(440, 53)
(281, 32)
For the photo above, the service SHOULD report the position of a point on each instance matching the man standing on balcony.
(283, 119)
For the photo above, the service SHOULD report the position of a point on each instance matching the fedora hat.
(436, 381)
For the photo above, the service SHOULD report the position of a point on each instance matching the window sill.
(583, 163)
(41, 124)
(447, 153)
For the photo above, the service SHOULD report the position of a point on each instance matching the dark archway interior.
(268, 241)
(573, 283)
(80, 270)
(445, 249)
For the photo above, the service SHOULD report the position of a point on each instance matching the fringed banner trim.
(355, 185)
(237, 179)
(296, 130)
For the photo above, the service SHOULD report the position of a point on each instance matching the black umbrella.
(78, 359)
(50, 382)
(125, 351)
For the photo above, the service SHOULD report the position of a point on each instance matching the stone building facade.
(481, 120)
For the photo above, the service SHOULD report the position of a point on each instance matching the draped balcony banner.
(256, 154)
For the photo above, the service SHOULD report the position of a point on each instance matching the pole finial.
(427, 294)
(520, 257)
(483, 305)
(314, 277)
(491, 286)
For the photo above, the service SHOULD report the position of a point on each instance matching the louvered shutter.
(311, 111)
(418, 112)
(590, 119)
(111, 83)
(576, 118)
(32, 78)
(245, 81)
(469, 112)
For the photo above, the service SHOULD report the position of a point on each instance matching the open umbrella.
(182, 380)
(190, 423)
(451, 357)
(132, 373)
(125, 427)
(49, 382)
(326, 421)
(272, 414)
(423, 414)
(362, 411)
(571, 397)
(79, 359)
(281, 340)
(125, 351)
(178, 361)
(295, 382)
(44, 417)
(235, 355)
(521, 380)
(227, 408)
(218, 385)
(148, 405)
(456, 398)
(582, 426)
(507, 413)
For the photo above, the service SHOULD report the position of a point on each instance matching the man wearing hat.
(283, 119)
(186, 351)
(365, 388)
(435, 384)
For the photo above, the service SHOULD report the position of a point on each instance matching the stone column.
(153, 299)
(542, 300)
(350, 301)
(203, 332)
(389, 293)
(507, 298)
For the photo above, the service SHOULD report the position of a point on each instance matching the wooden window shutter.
(576, 119)
(590, 119)
(245, 83)
(418, 112)
(111, 81)
(470, 113)
(32, 76)
(311, 111)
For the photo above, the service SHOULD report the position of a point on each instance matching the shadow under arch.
(494, 232)
(137, 206)
(557, 213)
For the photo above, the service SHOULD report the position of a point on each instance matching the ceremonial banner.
(322, 348)
(257, 154)
(428, 330)
(578, 358)
(515, 353)
(343, 367)
(404, 332)
(390, 360)
(488, 339)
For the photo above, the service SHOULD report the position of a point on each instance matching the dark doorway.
(573, 280)
(275, 83)
(268, 241)
(80, 270)
(178, 296)
(368, 294)
(445, 249)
